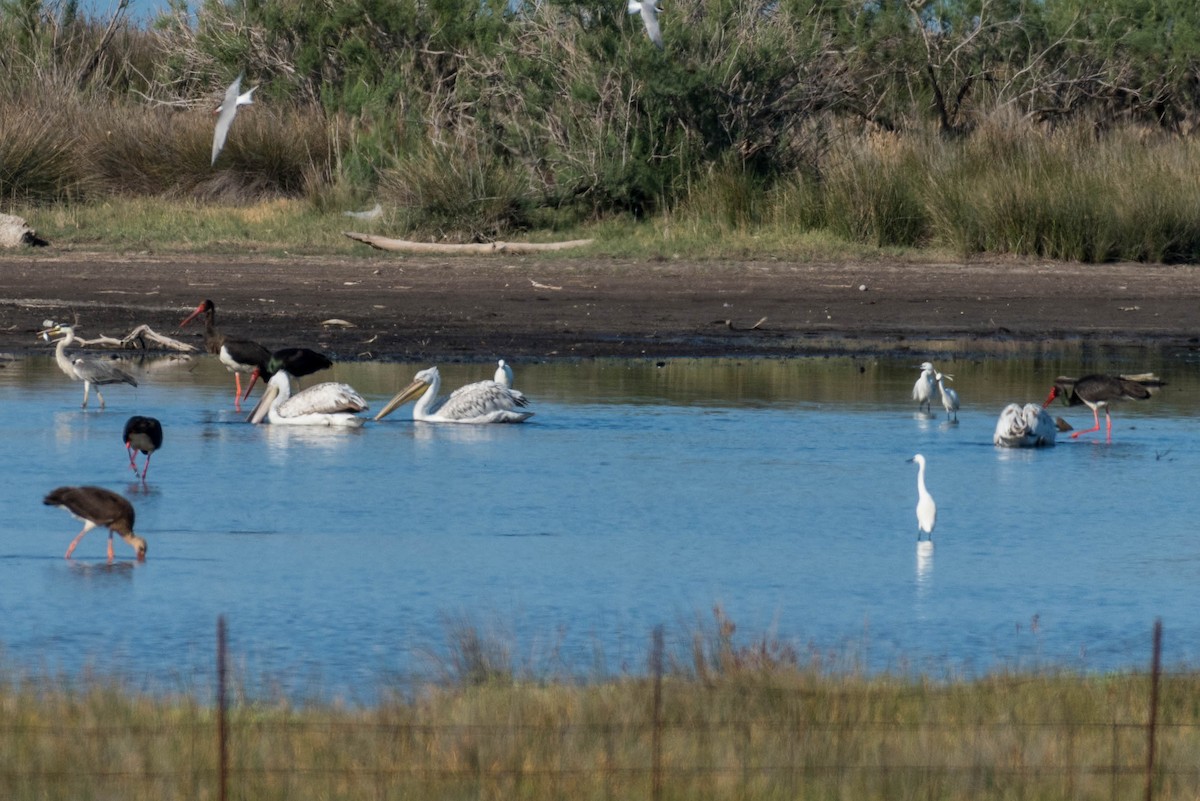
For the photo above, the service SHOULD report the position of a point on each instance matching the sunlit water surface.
(640, 494)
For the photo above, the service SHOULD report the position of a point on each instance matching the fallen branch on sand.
(476, 249)
(137, 339)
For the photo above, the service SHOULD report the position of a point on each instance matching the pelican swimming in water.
(92, 372)
(504, 374)
(1027, 426)
(481, 402)
(327, 404)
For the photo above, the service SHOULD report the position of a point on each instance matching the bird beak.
(411, 391)
(199, 310)
(253, 378)
(1050, 398)
(948, 376)
(263, 406)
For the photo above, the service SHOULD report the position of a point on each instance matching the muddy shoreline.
(399, 308)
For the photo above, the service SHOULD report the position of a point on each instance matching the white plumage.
(92, 372)
(649, 13)
(925, 387)
(327, 404)
(504, 374)
(1028, 426)
(481, 402)
(226, 112)
(949, 396)
(926, 508)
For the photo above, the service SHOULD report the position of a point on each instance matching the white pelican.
(1027, 426)
(98, 507)
(949, 396)
(481, 402)
(504, 374)
(649, 12)
(91, 372)
(143, 434)
(226, 112)
(328, 404)
(924, 388)
(1098, 391)
(926, 508)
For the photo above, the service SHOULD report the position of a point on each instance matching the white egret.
(949, 396)
(1098, 391)
(1027, 426)
(504, 374)
(98, 507)
(926, 508)
(92, 372)
(649, 12)
(481, 402)
(925, 387)
(327, 404)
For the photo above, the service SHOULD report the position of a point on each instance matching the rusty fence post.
(222, 731)
(1152, 725)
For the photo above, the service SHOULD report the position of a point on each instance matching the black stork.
(239, 355)
(1098, 391)
(92, 372)
(96, 506)
(295, 362)
(143, 434)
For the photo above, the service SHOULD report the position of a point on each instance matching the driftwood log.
(137, 339)
(477, 249)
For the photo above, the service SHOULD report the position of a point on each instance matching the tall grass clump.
(872, 191)
(1072, 193)
(39, 147)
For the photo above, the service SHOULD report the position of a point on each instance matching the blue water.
(638, 495)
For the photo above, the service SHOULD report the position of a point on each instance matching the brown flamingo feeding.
(1098, 391)
(96, 506)
(296, 362)
(143, 434)
(239, 355)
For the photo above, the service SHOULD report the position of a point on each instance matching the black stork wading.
(92, 372)
(1099, 392)
(143, 434)
(239, 355)
(296, 362)
(96, 506)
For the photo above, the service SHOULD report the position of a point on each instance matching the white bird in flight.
(649, 12)
(227, 111)
(327, 404)
(949, 396)
(481, 402)
(924, 388)
(1028, 426)
(926, 508)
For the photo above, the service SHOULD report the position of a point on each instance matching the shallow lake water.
(641, 494)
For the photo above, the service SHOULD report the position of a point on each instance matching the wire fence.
(655, 738)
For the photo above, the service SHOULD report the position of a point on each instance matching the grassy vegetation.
(732, 722)
(1059, 129)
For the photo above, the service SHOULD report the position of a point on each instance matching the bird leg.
(110, 548)
(100, 396)
(132, 458)
(88, 526)
(1096, 415)
(145, 467)
(87, 387)
(237, 392)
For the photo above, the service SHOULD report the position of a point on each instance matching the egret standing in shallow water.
(925, 387)
(926, 508)
(143, 434)
(949, 396)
